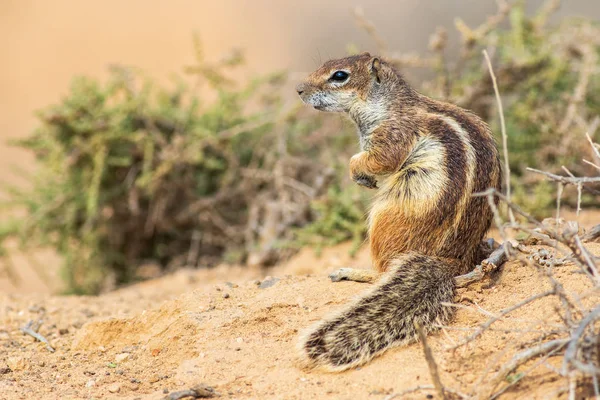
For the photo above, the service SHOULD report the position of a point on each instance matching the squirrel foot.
(353, 274)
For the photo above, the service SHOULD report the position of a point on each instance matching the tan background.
(44, 43)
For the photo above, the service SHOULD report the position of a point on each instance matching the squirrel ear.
(376, 69)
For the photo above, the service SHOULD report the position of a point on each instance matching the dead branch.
(433, 369)
(487, 266)
(503, 130)
(423, 387)
(27, 329)
(573, 341)
(518, 360)
(569, 180)
(408, 391)
(592, 235)
(581, 255)
(484, 327)
(198, 392)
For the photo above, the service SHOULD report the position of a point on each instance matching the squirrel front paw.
(365, 180)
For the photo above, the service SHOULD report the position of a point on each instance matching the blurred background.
(46, 44)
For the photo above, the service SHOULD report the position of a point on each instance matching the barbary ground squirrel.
(426, 158)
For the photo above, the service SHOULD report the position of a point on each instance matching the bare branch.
(487, 266)
(483, 327)
(433, 369)
(518, 360)
(504, 136)
(27, 329)
(573, 341)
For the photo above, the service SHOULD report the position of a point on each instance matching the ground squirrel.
(426, 158)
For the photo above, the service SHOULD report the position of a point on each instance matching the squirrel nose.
(301, 88)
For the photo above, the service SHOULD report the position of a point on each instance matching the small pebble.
(268, 282)
(225, 295)
(90, 383)
(115, 388)
(121, 357)
(16, 363)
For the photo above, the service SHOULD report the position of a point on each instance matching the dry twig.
(433, 369)
(487, 266)
(197, 392)
(504, 135)
(27, 329)
(518, 360)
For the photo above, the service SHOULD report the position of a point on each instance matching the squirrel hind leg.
(413, 290)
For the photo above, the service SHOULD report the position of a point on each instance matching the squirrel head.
(339, 85)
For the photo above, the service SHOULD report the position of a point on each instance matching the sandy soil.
(236, 331)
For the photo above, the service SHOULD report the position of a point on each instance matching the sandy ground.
(236, 331)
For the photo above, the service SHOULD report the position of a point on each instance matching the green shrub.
(128, 174)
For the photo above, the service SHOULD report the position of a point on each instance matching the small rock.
(16, 363)
(154, 379)
(90, 383)
(115, 388)
(63, 331)
(268, 282)
(121, 357)
(225, 295)
(232, 285)
(5, 370)
(37, 309)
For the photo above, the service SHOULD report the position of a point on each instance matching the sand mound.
(240, 337)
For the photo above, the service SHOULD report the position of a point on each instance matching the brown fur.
(428, 158)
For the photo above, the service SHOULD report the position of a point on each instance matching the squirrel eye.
(339, 76)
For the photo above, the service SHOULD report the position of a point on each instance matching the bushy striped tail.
(413, 290)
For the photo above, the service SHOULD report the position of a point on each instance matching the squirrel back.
(426, 158)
